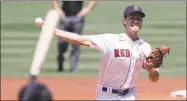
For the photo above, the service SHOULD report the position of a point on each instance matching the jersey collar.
(125, 36)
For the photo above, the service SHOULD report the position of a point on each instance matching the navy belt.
(115, 91)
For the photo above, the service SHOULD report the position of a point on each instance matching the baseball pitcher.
(124, 56)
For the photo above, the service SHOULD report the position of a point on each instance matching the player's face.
(133, 22)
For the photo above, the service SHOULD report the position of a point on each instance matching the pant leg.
(62, 45)
(77, 25)
(62, 48)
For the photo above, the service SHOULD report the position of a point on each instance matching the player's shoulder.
(146, 44)
(145, 48)
(109, 35)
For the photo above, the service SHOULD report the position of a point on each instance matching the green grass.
(165, 23)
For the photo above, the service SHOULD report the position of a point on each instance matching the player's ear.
(124, 21)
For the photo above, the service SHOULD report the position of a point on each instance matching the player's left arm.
(87, 9)
(153, 73)
(154, 61)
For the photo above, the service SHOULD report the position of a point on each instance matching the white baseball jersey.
(121, 59)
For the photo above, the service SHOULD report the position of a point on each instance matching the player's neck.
(132, 35)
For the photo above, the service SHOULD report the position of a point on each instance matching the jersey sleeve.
(146, 49)
(99, 41)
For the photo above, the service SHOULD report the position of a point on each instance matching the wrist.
(56, 32)
(147, 65)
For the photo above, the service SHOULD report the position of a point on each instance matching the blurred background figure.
(72, 19)
(36, 92)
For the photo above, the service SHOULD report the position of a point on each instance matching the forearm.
(153, 74)
(73, 37)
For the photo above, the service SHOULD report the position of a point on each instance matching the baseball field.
(165, 23)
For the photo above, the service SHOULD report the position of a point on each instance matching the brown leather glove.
(155, 58)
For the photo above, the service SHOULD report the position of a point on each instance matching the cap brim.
(143, 15)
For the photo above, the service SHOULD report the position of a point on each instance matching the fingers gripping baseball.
(155, 58)
(39, 22)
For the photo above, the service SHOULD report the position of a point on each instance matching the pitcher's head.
(133, 18)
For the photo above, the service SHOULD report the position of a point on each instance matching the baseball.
(39, 21)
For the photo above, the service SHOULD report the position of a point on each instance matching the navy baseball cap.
(133, 8)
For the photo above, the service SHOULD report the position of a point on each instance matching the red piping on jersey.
(129, 67)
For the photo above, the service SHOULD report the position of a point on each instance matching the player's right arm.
(93, 41)
(57, 8)
(73, 37)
